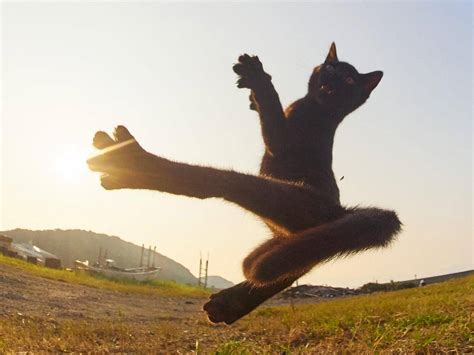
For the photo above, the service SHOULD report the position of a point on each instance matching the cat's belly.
(321, 179)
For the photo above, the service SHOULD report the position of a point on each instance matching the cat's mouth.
(327, 89)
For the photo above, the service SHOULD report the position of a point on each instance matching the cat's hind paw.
(121, 160)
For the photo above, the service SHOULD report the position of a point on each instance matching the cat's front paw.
(251, 73)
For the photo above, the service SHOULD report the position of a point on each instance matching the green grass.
(431, 319)
(162, 287)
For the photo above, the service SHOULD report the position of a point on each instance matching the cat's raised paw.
(250, 71)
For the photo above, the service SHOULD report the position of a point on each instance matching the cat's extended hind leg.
(290, 257)
(289, 206)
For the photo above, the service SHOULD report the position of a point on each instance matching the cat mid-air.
(295, 194)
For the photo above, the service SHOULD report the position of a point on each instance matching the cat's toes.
(219, 311)
(102, 140)
(250, 71)
(96, 163)
(114, 152)
(248, 65)
(122, 134)
(111, 182)
(214, 311)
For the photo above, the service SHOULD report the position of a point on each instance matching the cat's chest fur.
(307, 154)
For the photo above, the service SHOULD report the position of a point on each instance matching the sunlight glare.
(70, 165)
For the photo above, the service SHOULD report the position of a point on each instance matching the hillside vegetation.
(70, 245)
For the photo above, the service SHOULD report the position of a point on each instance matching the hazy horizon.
(164, 71)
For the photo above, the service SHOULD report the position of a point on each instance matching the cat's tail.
(288, 258)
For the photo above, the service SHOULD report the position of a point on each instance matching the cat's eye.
(330, 69)
(349, 80)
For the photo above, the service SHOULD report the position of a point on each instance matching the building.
(33, 253)
(5, 242)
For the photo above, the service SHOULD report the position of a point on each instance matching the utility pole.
(100, 255)
(200, 269)
(141, 257)
(203, 271)
(149, 254)
(154, 253)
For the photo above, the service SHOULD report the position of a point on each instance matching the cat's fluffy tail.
(287, 258)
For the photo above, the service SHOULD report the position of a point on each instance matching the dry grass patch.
(161, 287)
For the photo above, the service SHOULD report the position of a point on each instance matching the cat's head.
(339, 87)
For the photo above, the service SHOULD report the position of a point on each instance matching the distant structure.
(29, 252)
(440, 278)
(149, 254)
(107, 267)
(6, 246)
(35, 255)
(203, 271)
(371, 287)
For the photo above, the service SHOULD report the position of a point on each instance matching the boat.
(143, 273)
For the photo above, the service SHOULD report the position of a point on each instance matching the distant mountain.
(70, 245)
(218, 282)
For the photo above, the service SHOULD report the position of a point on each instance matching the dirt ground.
(156, 323)
(42, 315)
(34, 296)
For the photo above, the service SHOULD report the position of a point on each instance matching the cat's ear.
(332, 55)
(371, 80)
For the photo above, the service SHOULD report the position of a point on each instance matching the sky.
(164, 71)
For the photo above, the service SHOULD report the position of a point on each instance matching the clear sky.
(164, 71)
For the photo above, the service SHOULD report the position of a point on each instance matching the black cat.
(296, 193)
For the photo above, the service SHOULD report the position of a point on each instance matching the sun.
(69, 165)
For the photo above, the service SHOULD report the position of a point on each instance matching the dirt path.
(34, 296)
(39, 314)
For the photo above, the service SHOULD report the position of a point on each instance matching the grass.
(431, 319)
(161, 287)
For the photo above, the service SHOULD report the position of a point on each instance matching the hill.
(73, 244)
(219, 282)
